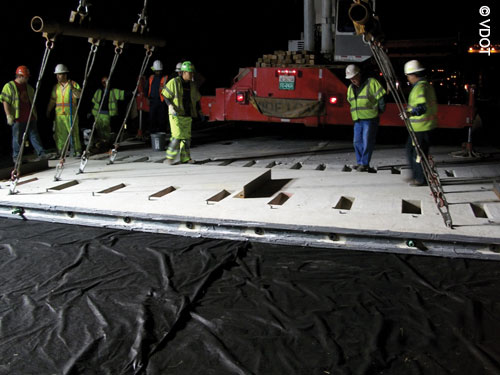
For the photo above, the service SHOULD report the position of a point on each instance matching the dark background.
(221, 37)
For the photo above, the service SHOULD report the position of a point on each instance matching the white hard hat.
(178, 67)
(351, 71)
(61, 69)
(413, 66)
(157, 65)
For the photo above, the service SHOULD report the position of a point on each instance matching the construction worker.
(17, 98)
(178, 69)
(422, 111)
(366, 97)
(64, 98)
(157, 108)
(109, 110)
(183, 99)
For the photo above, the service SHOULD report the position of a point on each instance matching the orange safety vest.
(163, 81)
(142, 100)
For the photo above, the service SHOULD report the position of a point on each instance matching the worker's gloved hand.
(171, 110)
(10, 120)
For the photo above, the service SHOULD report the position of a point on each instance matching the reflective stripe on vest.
(173, 92)
(423, 93)
(365, 105)
(63, 99)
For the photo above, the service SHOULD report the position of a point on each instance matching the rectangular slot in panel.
(27, 181)
(344, 203)
(478, 210)
(112, 189)
(279, 200)
(63, 186)
(218, 197)
(412, 207)
(162, 193)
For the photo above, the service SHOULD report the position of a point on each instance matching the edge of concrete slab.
(414, 243)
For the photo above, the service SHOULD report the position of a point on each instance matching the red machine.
(315, 94)
(309, 95)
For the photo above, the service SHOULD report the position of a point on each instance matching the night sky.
(218, 37)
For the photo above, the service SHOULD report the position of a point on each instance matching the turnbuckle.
(83, 162)
(59, 170)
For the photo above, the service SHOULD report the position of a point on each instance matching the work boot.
(170, 161)
(363, 168)
(417, 183)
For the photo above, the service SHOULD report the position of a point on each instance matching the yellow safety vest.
(114, 96)
(173, 92)
(365, 105)
(60, 95)
(423, 93)
(10, 95)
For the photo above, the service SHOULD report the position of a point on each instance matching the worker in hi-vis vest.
(109, 110)
(17, 97)
(422, 111)
(183, 99)
(64, 98)
(157, 108)
(366, 97)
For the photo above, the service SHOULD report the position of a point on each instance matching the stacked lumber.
(283, 59)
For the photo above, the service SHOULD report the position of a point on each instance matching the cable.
(84, 159)
(116, 144)
(16, 172)
(430, 173)
(74, 117)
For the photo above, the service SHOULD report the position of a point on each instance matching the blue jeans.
(365, 134)
(18, 129)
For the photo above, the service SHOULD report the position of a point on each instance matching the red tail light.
(288, 72)
(241, 97)
(333, 100)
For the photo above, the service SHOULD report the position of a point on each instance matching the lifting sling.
(85, 155)
(74, 116)
(145, 62)
(16, 172)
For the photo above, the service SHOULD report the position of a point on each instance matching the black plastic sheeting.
(80, 300)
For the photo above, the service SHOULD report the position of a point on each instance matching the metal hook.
(142, 22)
(82, 10)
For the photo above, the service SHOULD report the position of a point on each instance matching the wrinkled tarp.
(80, 300)
(288, 108)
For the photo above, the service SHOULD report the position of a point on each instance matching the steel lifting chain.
(85, 155)
(82, 10)
(145, 63)
(430, 173)
(142, 22)
(74, 117)
(16, 172)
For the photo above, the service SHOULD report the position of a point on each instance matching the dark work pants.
(157, 116)
(424, 140)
